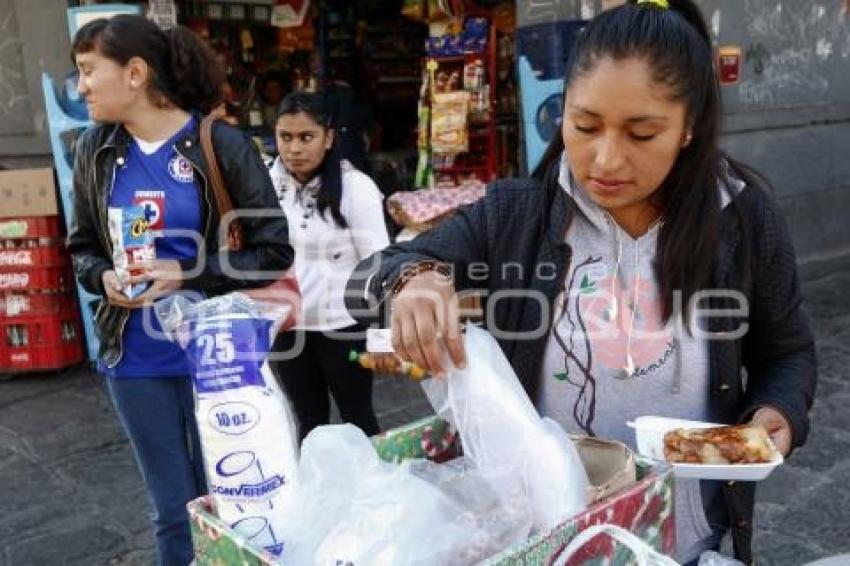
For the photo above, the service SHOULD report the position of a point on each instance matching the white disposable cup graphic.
(240, 468)
(255, 529)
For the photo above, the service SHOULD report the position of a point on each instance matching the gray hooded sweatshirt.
(610, 358)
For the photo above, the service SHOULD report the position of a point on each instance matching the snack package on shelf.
(450, 122)
(473, 74)
(132, 242)
(480, 104)
(247, 429)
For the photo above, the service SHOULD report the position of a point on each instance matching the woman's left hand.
(166, 276)
(777, 427)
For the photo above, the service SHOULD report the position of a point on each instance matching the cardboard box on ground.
(28, 192)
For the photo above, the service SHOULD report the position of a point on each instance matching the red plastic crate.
(40, 342)
(30, 227)
(36, 278)
(39, 358)
(16, 304)
(13, 258)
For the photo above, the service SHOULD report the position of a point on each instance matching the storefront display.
(460, 105)
(430, 84)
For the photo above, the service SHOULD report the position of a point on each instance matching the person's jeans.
(158, 417)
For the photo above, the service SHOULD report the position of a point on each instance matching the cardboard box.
(28, 192)
(639, 499)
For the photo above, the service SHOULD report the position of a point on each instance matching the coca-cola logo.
(17, 257)
(13, 229)
(14, 305)
(14, 280)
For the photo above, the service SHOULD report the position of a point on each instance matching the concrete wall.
(788, 116)
(33, 38)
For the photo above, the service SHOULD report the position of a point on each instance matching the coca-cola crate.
(36, 278)
(30, 227)
(36, 303)
(40, 342)
(19, 254)
(40, 358)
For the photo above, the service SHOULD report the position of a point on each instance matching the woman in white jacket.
(336, 218)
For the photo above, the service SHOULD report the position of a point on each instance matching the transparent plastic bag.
(246, 427)
(518, 471)
(711, 558)
(517, 452)
(354, 508)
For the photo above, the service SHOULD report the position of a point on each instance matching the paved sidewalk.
(71, 493)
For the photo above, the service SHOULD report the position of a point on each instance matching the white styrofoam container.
(650, 431)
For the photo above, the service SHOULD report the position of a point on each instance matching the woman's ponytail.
(184, 70)
(197, 75)
(691, 13)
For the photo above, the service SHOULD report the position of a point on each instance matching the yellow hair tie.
(660, 3)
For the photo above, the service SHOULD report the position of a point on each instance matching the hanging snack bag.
(132, 242)
(449, 122)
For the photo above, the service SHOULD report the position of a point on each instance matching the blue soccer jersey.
(162, 182)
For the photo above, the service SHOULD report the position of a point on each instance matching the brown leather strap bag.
(285, 291)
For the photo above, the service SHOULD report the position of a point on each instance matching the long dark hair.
(677, 46)
(184, 71)
(316, 107)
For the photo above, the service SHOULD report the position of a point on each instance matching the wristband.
(418, 268)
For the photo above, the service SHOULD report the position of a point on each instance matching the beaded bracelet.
(418, 268)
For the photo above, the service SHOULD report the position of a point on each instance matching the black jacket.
(506, 231)
(102, 148)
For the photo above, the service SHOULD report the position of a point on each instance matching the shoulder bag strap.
(223, 202)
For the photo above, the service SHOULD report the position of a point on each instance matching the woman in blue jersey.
(146, 89)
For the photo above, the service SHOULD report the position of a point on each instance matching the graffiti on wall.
(790, 46)
(531, 12)
(12, 81)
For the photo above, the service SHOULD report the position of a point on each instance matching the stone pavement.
(71, 493)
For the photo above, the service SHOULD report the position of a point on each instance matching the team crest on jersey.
(153, 204)
(180, 169)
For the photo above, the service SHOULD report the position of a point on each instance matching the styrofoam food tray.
(650, 431)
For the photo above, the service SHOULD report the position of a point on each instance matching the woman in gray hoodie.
(598, 272)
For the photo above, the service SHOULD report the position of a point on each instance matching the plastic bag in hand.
(501, 432)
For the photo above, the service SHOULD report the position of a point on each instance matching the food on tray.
(739, 444)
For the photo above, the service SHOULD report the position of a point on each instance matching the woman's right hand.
(114, 295)
(426, 322)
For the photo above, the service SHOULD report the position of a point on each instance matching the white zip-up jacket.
(325, 254)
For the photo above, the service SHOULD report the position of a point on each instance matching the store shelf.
(391, 57)
(399, 80)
